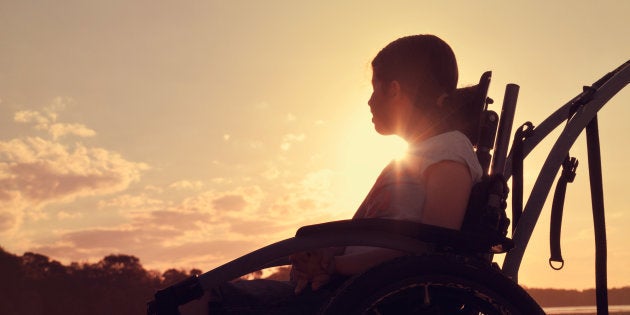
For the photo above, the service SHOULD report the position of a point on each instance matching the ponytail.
(462, 111)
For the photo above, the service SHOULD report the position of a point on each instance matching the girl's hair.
(425, 66)
(463, 110)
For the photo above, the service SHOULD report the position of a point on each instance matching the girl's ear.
(394, 88)
(396, 92)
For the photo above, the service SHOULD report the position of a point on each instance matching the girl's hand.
(315, 266)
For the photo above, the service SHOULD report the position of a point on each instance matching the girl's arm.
(448, 186)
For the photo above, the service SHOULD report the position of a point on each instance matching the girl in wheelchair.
(415, 97)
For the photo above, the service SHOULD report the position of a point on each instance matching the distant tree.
(172, 276)
(39, 266)
(10, 268)
(562, 297)
(11, 275)
(35, 284)
(120, 264)
(619, 296)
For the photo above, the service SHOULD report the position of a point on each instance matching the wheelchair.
(458, 276)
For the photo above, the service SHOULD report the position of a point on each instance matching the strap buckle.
(569, 166)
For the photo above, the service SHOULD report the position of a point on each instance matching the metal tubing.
(262, 257)
(613, 82)
(542, 131)
(599, 221)
(505, 128)
(551, 166)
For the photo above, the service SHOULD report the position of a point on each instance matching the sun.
(362, 155)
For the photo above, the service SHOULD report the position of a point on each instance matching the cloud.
(307, 200)
(96, 243)
(7, 220)
(242, 201)
(35, 171)
(131, 206)
(111, 239)
(229, 203)
(258, 226)
(43, 171)
(59, 130)
(203, 230)
(12, 211)
(289, 139)
(196, 223)
(46, 121)
(31, 116)
(63, 215)
(271, 173)
(157, 246)
(175, 220)
(186, 185)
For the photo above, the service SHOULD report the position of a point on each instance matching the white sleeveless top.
(399, 192)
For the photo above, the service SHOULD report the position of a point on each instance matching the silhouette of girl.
(415, 97)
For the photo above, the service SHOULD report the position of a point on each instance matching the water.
(570, 310)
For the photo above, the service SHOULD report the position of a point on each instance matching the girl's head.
(424, 65)
(423, 69)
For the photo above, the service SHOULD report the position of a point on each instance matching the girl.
(415, 97)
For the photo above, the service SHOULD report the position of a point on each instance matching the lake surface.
(569, 310)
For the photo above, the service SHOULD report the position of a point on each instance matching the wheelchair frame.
(580, 113)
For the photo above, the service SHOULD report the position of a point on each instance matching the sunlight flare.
(363, 154)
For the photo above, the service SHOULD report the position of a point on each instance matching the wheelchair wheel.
(432, 284)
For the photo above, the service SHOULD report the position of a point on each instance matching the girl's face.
(385, 107)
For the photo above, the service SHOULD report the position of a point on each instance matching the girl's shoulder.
(451, 146)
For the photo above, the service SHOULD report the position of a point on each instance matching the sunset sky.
(188, 133)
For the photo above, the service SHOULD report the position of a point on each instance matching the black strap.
(524, 131)
(599, 220)
(568, 175)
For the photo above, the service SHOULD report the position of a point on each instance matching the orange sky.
(190, 133)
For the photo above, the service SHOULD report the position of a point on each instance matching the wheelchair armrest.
(397, 234)
(439, 236)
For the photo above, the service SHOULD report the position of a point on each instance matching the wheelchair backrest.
(485, 215)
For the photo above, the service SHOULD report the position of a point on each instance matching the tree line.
(563, 297)
(119, 284)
